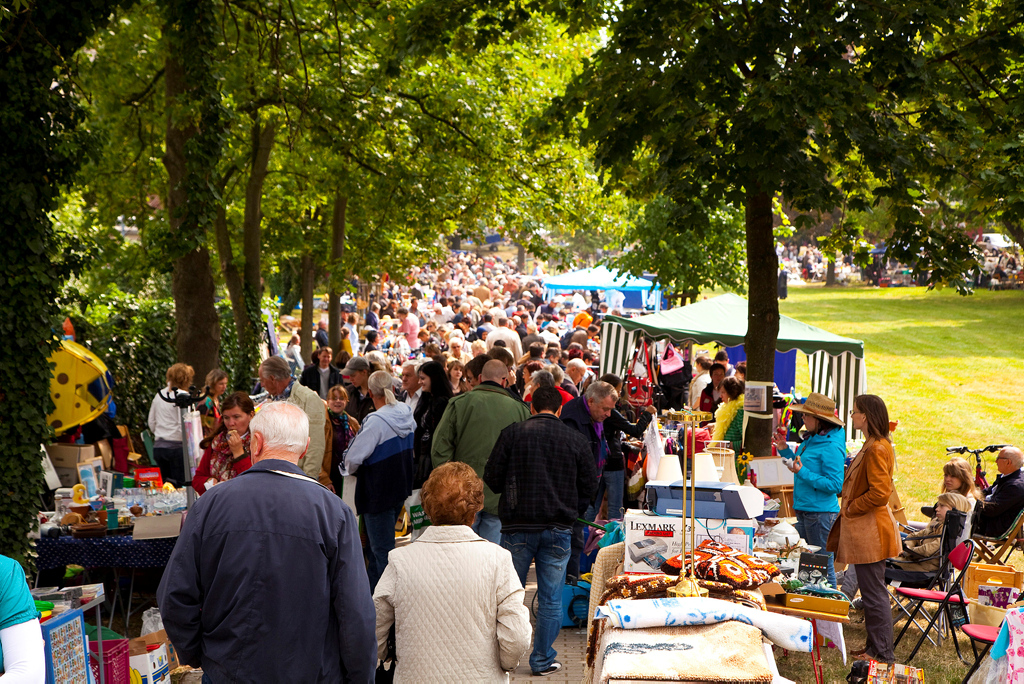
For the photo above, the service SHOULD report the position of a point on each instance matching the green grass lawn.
(950, 369)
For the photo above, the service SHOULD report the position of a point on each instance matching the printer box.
(650, 540)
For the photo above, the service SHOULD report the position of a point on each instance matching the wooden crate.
(981, 574)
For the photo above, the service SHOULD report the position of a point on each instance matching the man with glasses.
(1004, 500)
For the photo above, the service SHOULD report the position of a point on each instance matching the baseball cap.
(356, 363)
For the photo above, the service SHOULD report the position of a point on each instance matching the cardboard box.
(818, 604)
(139, 645)
(69, 455)
(157, 526)
(651, 539)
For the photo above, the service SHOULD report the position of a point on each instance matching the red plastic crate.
(116, 668)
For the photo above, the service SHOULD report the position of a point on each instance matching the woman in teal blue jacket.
(818, 468)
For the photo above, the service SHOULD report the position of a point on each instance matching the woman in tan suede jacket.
(865, 535)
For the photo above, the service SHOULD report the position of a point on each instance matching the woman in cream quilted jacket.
(454, 598)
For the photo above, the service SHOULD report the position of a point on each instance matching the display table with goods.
(131, 529)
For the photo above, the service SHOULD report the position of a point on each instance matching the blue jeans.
(814, 528)
(380, 533)
(488, 526)
(614, 483)
(549, 550)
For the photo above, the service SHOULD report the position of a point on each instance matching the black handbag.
(383, 674)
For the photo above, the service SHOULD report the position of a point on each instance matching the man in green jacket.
(469, 429)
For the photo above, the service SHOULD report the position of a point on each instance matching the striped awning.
(840, 378)
(617, 347)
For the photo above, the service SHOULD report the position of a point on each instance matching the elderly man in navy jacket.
(266, 582)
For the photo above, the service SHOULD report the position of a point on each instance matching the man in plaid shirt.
(546, 476)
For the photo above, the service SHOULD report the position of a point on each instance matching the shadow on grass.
(940, 664)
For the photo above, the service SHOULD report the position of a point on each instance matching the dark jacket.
(1003, 503)
(708, 402)
(427, 416)
(544, 472)
(267, 583)
(321, 338)
(311, 377)
(615, 425)
(358, 406)
(570, 387)
(576, 416)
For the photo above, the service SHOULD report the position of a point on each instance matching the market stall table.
(811, 615)
(113, 551)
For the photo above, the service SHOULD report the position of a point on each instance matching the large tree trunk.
(521, 256)
(762, 310)
(198, 334)
(337, 252)
(830, 272)
(306, 333)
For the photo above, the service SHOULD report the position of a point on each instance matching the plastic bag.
(151, 621)
(417, 518)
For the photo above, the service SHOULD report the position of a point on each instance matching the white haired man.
(266, 582)
(381, 458)
(1005, 498)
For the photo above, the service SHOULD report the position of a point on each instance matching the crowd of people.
(473, 389)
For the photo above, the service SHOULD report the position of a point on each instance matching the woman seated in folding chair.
(922, 551)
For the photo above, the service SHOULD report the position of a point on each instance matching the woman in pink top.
(409, 326)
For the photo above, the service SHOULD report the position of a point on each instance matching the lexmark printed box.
(651, 539)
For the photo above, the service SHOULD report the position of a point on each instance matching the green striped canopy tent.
(836, 363)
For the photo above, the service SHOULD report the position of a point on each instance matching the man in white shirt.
(411, 384)
(508, 335)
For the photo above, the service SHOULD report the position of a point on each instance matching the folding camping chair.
(959, 558)
(997, 550)
(953, 532)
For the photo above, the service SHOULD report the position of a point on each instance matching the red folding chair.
(959, 558)
(978, 633)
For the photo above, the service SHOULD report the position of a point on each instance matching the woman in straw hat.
(817, 471)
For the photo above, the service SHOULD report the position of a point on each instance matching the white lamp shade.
(668, 469)
(704, 469)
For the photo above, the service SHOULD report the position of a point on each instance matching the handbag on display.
(671, 361)
(640, 389)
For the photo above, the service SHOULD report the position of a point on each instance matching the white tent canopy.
(602, 278)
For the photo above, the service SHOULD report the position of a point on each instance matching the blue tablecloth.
(115, 551)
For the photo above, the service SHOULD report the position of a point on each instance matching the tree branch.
(135, 99)
(439, 119)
